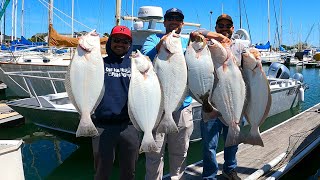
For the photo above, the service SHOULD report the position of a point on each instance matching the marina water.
(49, 155)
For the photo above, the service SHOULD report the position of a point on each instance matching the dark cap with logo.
(224, 16)
(121, 30)
(174, 11)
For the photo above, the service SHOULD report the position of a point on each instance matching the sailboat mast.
(14, 20)
(50, 20)
(240, 14)
(72, 14)
(280, 23)
(22, 17)
(118, 11)
(269, 20)
(2, 25)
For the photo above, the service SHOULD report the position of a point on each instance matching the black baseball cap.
(224, 16)
(174, 11)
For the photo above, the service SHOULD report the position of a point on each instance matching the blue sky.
(298, 16)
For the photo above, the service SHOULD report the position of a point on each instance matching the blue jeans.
(210, 132)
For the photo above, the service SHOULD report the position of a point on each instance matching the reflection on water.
(42, 156)
(41, 152)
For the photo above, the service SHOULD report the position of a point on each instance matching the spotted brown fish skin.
(200, 70)
(229, 90)
(85, 81)
(144, 100)
(171, 68)
(258, 101)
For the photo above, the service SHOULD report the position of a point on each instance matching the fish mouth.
(211, 42)
(84, 48)
(94, 33)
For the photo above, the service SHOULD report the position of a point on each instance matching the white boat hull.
(11, 160)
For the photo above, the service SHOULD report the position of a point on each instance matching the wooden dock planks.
(7, 114)
(276, 141)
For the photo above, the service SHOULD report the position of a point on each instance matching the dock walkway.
(277, 140)
(7, 114)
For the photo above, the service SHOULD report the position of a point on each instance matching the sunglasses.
(224, 26)
(174, 18)
(119, 40)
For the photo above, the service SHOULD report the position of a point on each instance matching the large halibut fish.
(229, 91)
(200, 69)
(84, 81)
(170, 66)
(258, 95)
(144, 100)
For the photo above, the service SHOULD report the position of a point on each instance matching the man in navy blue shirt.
(111, 116)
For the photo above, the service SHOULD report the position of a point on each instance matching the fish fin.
(268, 107)
(86, 127)
(99, 99)
(167, 124)
(67, 85)
(148, 143)
(233, 137)
(132, 119)
(254, 137)
(183, 97)
(161, 108)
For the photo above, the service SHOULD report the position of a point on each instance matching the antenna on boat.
(210, 19)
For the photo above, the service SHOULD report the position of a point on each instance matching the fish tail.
(86, 127)
(167, 124)
(148, 143)
(254, 137)
(233, 137)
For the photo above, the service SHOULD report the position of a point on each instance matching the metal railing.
(27, 75)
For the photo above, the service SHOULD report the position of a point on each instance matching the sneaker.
(232, 175)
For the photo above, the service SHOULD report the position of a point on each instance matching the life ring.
(243, 34)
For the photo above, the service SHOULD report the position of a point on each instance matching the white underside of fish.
(200, 72)
(84, 85)
(258, 98)
(144, 101)
(171, 69)
(229, 92)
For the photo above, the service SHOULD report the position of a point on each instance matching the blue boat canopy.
(266, 46)
(281, 48)
(27, 42)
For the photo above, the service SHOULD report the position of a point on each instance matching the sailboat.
(19, 72)
(268, 56)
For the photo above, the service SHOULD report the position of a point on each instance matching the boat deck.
(8, 115)
(277, 140)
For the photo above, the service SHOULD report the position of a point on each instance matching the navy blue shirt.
(113, 107)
